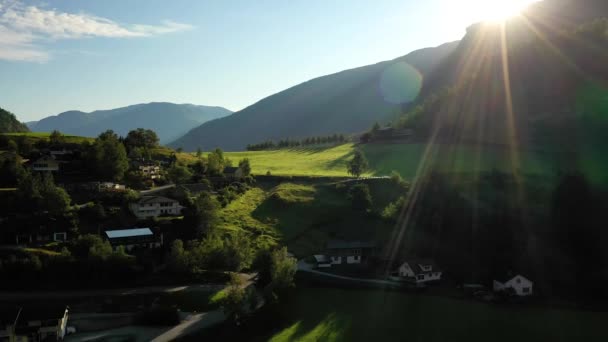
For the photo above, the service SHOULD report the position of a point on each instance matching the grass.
(35, 136)
(322, 314)
(303, 216)
(403, 158)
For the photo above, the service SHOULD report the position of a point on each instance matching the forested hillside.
(346, 102)
(10, 124)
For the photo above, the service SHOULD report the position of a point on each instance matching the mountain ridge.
(168, 119)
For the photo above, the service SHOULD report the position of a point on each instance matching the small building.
(134, 238)
(154, 206)
(45, 164)
(519, 284)
(349, 252)
(111, 187)
(419, 271)
(233, 172)
(33, 323)
(150, 170)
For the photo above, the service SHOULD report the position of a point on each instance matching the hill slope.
(346, 102)
(168, 120)
(10, 124)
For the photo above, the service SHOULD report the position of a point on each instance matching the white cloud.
(23, 28)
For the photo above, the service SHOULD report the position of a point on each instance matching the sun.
(495, 10)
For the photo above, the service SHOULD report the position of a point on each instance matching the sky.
(61, 55)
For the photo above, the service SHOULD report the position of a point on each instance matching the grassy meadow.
(36, 136)
(406, 159)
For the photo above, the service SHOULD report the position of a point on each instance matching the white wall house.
(45, 164)
(349, 252)
(521, 285)
(419, 271)
(150, 171)
(154, 206)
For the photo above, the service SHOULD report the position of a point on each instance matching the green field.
(322, 314)
(407, 159)
(303, 216)
(35, 136)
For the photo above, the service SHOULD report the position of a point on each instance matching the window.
(525, 290)
(420, 277)
(518, 281)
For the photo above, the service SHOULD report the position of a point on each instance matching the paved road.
(155, 190)
(248, 279)
(303, 266)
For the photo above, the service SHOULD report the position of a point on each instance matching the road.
(303, 266)
(15, 296)
(155, 190)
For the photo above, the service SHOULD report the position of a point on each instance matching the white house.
(134, 238)
(419, 271)
(154, 206)
(150, 171)
(45, 164)
(521, 285)
(349, 252)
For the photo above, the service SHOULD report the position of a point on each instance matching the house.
(111, 187)
(33, 323)
(233, 172)
(45, 164)
(150, 170)
(154, 206)
(521, 285)
(134, 238)
(349, 252)
(419, 271)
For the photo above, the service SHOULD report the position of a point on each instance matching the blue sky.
(86, 55)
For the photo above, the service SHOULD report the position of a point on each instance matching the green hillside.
(404, 158)
(9, 123)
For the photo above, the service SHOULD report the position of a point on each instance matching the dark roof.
(415, 265)
(154, 199)
(340, 244)
(29, 312)
(510, 276)
(230, 169)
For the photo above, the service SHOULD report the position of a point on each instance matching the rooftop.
(339, 244)
(122, 233)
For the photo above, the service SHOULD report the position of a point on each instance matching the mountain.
(538, 81)
(10, 124)
(168, 120)
(346, 102)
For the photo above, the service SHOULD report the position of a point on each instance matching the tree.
(56, 138)
(110, 156)
(375, 128)
(201, 216)
(283, 269)
(357, 165)
(179, 174)
(199, 153)
(234, 300)
(360, 197)
(142, 138)
(216, 162)
(245, 167)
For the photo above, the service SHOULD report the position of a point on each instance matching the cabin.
(418, 271)
(154, 206)
(45, 164)
(33, 323)
(150, 171)
(519, 284)
(349, 252)
(232, 172)
(134, 238)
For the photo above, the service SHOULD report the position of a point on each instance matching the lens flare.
(400, 83)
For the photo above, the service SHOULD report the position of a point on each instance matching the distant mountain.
(10, 124)
(346, 102)
(168, 120)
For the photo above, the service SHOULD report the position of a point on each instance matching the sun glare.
(496, 10)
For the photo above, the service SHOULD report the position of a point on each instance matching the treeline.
(291, 143)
